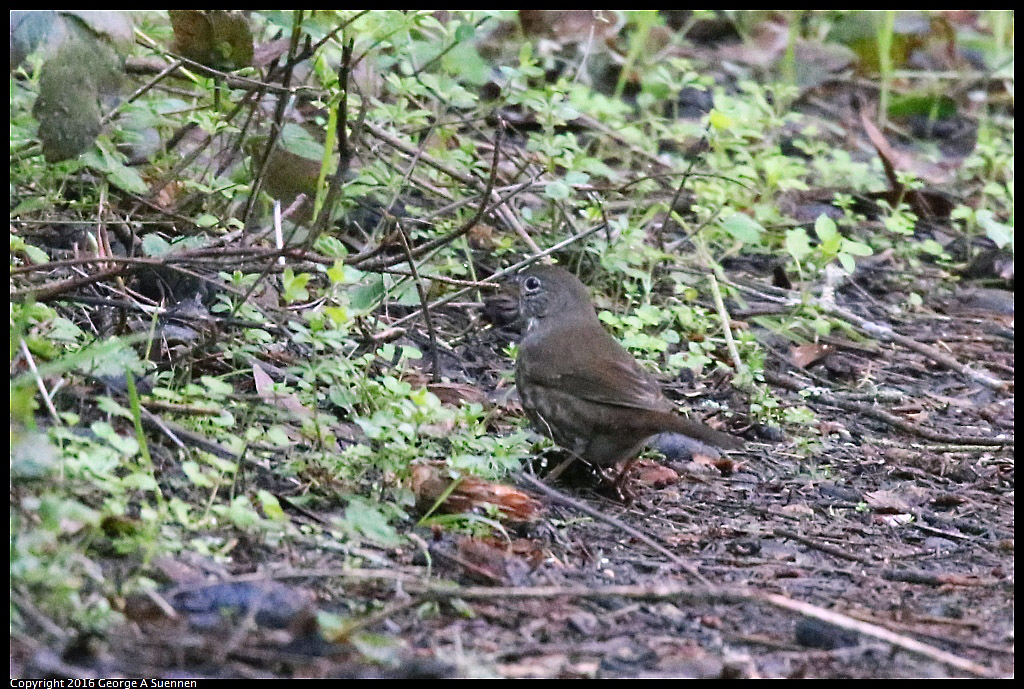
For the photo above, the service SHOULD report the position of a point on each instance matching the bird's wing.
(622, 384)
(615, 381)
(596, 368)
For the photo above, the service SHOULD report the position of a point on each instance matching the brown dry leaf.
(167, 197)
(827, 428)
(493, 560)
(649, 473)
(264, 388)
(530, 550)
(893, 160)
(415, 377)
(907, 497)
(766, 42)
(675, 539)
(727, 466)
(703, 464)
(887, 501)
(472, 493)
(895, 520)
(454, 394)
(481, 237)
(804, 355)
(701, 467)
(568, 26)
(948, 500)
(918, 417)
(265, 53)
(439, 429)
(185, 570)
(798, 509)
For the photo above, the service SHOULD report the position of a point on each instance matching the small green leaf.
(295, 286)
(464, 32)
(557, 190)
(270, 505)
(798, 244)
(109, 406)
(155, 245)
(999, 233)
(720, 121)
(277, 435)
(831, 246)
(381, 649)
(366, 297)
(743, 227)
(119, 174)
(195, 474)
(371, 523)
(339, 315)
(825, 228)
(343, 274)
(216, 387)
(930, 105)
(856, 248)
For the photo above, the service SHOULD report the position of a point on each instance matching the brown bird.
(580, 387)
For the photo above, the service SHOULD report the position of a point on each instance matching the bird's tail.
(704, 434)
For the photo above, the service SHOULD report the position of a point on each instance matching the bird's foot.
(617, 488)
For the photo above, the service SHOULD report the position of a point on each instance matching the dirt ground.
(880, 543)
(887, 553)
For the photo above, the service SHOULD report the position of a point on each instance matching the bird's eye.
(531, 285)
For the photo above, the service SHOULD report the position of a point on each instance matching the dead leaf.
(493, 561)
(702, 463)
(896, 519)
(454, 394)
(568, 26)
(804, 355)
(264, 388)
(798, 509)
(649, 473)
(471, 493)
(886, 501)
(265, 53)
(948, 500)
(481, 237)
(926, 204)
(766, 42)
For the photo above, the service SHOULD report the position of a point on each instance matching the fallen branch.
(879, 415)
(887, 334)
(564, 499)
(688, 595)
(833, 550)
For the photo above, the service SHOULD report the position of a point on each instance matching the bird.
(580, 387)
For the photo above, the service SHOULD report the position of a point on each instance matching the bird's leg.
(623, 475)
(560, 469)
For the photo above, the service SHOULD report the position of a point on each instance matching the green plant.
(832, 246)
